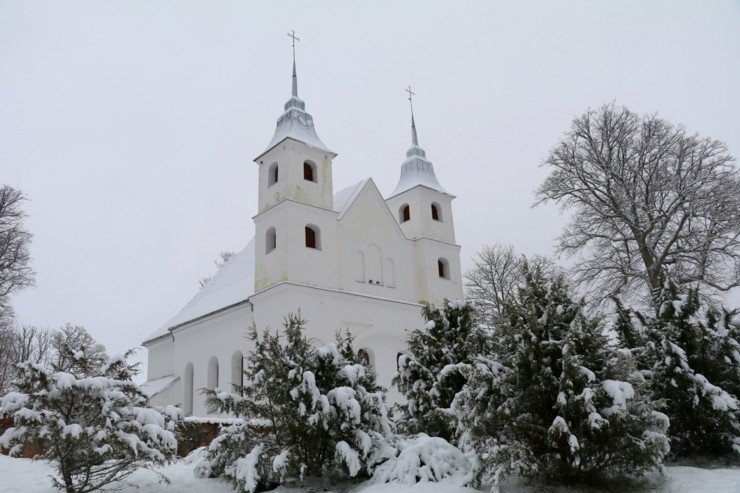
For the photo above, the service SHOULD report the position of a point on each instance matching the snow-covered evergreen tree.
(692, 362)
(96, 429)
(308, 412)
(434, 369)
(553, 399)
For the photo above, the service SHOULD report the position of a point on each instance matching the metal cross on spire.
(414, 138)
(295, 38)
(295, 77)
(411, 102)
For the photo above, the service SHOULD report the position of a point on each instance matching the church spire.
(295, 77)
(414, 138)
(417, 169)
(295, 122)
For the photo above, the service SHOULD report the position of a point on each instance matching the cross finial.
(414, 138)
(411, 102)
(295, 77)
(295, 38)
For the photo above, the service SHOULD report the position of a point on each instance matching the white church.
(347, 260)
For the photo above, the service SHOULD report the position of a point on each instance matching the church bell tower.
(295, 201)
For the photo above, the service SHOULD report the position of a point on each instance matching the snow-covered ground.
(28, 476)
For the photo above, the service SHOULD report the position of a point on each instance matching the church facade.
(347, 260)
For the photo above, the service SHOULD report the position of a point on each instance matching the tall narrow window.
(443, 267)
(212, 381)
(309, 173)
(435, 213)
(272, 174)
(270, 240)
(237, 370)
(187, 401)
(405, 213)
(313, 237)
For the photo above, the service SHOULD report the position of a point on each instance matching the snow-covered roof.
(297, 124)
(344, 198)
(158, 385)
(417, 169)
(233, 284)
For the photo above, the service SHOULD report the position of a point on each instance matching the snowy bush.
(554, 400)
(693, 364)
(308, 412)
(434, 369)
(423, 459)
(96, 429)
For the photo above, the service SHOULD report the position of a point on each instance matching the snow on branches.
(96, 429)
(310, 412)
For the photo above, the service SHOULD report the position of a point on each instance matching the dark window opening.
(443, 268)
(308, 173)
(272, 175)
(405, 213)
(435, 213)
(310, 238)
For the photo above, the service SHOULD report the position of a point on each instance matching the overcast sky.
(132, 126)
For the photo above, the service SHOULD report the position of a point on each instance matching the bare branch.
(649, 202)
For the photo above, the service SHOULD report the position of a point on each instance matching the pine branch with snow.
(692, 362)
(97, 429)
(554, 400)
(434, 370)
(308, 412)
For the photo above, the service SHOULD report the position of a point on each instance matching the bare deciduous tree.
(496, 276)
(22, 343)
(15, 273)
(648, 202)
(77, 352)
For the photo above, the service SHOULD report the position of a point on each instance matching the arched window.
(404, 213)
(187, 400)
(212, 381)
(443, 268)
(270, 240)
(363, 357)
(313, 237)
(398, 360)
(272, 174)
(237, 369)
(436, 212)
(212, 373)
(309, 171)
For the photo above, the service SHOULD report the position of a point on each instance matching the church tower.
(423, 210)
(294, 227)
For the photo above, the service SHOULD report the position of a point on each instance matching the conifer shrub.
(435, 367)
(554, 400)
(308, 412)
(690, 359)
(96, 429)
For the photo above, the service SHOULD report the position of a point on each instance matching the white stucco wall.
(219, 336)
(378, 325)
(290, 156)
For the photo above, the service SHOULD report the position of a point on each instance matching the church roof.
(232, 284)
(344, 198)
(297, 124)
(417, 170)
